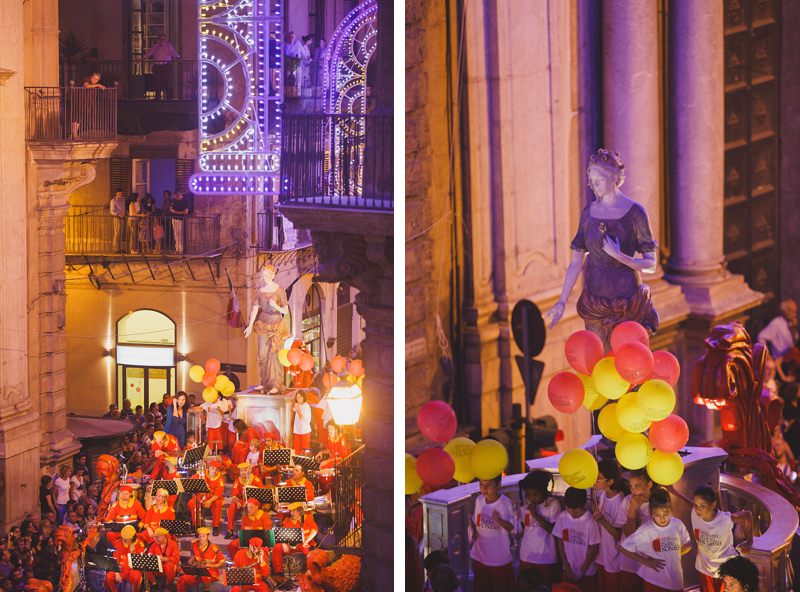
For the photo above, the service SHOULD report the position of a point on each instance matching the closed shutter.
(344, 320)
(184, 169)
(120, 176)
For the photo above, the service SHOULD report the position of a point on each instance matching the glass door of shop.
(144, 385)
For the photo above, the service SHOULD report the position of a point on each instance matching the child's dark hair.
(575, 498)
(537, 480)
(659, 498)
(741, 569)
(707, 494)
(640, 474)
(497, 480)
(609, 469)
(434, 558)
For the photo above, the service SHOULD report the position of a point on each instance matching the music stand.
(195, 570)
(287, 495)
(118, 526)
(194, 455)
(170, 485)
(196, 486)
(179, 528)
(267, 536)
(145, 563)
(309, 463)
(263, 494)
(281, 456)
(240, 576)
(102, 562)
(290, 536)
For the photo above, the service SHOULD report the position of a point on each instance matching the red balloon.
(356, 368)
(565, 392)
(338, 363)
(435, 467)
(209, 378)
(628, 331)
(669, 435)
(583, 350)
(307, 362)
(666, 367)
(437, 421)
(634, 362)
(294, 356)
(212, 365)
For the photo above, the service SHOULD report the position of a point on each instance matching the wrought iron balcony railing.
(348, 514)
(140, 80)
(70, 114)
(337, 160)
(104, 234)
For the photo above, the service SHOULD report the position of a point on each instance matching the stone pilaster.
(54, 171)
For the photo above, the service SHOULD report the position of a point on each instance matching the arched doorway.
(145, 353)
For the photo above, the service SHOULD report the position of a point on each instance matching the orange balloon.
(356, 368)
(209, 378)
(338, 363)
(212, 365)
(628, 331)
(294, 355)
(307, 362)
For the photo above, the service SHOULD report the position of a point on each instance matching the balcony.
(274, 233)
(72, 114)
(92, 235)
(336, 172)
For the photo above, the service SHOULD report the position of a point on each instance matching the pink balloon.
(628, 331)
(566, 392)
(338, 363)
(307, 362)
(634, 362)
(294, 356)
(356, 368)
(669, 435)
(437, 421)
(666, 367)
(583, 350)
(435, 467)
(212, 365)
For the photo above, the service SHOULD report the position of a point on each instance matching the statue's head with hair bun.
(610, 162)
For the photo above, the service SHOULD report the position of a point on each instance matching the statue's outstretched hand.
(555, 314)
(247, 331)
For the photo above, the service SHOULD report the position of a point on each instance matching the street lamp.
(344, 401)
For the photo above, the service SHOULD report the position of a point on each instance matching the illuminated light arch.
(239, 125)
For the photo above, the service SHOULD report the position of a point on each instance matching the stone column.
(696, 55)
(19, 433)
(632, 123)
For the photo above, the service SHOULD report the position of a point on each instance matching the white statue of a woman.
(266, 318)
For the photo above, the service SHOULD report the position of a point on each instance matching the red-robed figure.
(204, 554)
(254, 556)
(128, 543)
(163, 445)
(298, 519)
(127, 509)
(245, 479)
(212, 499)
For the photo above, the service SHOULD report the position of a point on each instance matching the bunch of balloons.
(632, 387)
(296, 357)
(215, 384)
(460, 458)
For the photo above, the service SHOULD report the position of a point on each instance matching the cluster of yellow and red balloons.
(632, 387)
(340, 369)
(460, 458)
(215, 384)
(296, 357)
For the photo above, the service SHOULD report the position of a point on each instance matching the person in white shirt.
(493, 520)
(62, 488)
(214, 414)
(162, 54)
(301, 432)
(713, 531)
(610, 513)
(537, 549)
(780, 336)
(658, 546)
(637, 510)
(578, 539)
(117, 210)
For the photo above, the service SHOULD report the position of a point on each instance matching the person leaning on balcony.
(178, 209)
(162, 54)
(117, 208)
(93, 81)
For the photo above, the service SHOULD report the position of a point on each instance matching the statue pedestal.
(267, 413)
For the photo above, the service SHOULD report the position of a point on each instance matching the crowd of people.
(149, 229)
(309, 68)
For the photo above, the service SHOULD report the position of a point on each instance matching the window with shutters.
(121, 172)
(312, 322)
(344, 319)
(184, 169)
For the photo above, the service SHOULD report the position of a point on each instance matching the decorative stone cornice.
(5, 74)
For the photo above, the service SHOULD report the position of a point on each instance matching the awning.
(87, 428)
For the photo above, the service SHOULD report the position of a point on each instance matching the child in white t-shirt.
(610, 513)
(254, 455)
(578, 539)
(713, 531)
(658, 546)
(537, 550)
(493, 520)
(637, 510)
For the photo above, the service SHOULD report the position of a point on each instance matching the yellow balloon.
(578, 468)
(656, 398)
(592, 400)
(360, 382)
(633, 450)
(284, 361)
(608, 424)
(229, 389)
(489, 459)
(607, 380)
(630, 415)
(210, 394)
(350, 378)
(196, 373)
(665, 468)
(221, 382)
(461, 450)
(413, 482)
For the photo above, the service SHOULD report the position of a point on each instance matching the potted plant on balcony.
(291, 87)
